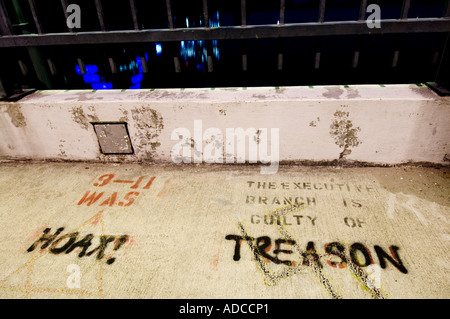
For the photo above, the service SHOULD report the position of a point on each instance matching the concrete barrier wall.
(389, 124)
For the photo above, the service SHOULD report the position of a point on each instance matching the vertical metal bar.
(81, 65)
(244, 43)
(169, 13)
(362, 10)
(64, 7)
(209, 58)
(243, 12)
(444, 50)
(437, 52)
(176, 59)
(280, 54)
(51, 66)
(144, 64)
(210, 64)
(280, 41)
(447, 9)
(244, 55)
(23, 67)
(280, 62)
(101, 20)
(208, 43)
(317, 60)
(398, 42)
(318, 49)
(362, 16)
(355, 60)
(435, 59)
(176, 62)
(134, 14)
(356, 53)
(34, 53)
(244, 62)
(112, 65)
(282, 10)
(39, 67)
(405, 9)
(205, 13)
(35, 16)
(5, 23)
(322, 11)
(3, 93)
(395, 59)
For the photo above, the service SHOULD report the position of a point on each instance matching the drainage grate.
(113, 138)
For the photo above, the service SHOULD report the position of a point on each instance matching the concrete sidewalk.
(83, 230)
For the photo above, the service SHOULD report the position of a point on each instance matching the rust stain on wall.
(333, 93)
(343, 132)
(81, 118)
(314, 122)
(149, 124)
(259, 96)
(352, 93)
(124, 118)
(84, 96)
(257, 137)
(424, 92)
(179, 95)
(62, 152)
(15, 113)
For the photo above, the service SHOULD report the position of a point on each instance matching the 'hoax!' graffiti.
(57, 244)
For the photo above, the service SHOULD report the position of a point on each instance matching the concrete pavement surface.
(92, 230)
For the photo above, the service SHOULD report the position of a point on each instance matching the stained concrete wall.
(378, 124)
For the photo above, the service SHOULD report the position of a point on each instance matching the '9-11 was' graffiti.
(58, 244)
(90, 198)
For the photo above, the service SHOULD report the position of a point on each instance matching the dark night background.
(418, 61)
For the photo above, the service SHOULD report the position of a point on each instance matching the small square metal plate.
(113, 138)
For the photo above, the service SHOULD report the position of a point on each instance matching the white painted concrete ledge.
(390, 124)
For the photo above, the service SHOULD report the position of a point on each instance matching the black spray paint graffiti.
(311, 258)
(355, 259)
(271, 277)
(69, 242)
(264, 243)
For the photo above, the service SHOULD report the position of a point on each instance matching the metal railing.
(319, 29)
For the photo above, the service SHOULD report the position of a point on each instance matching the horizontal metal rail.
(234, 32)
